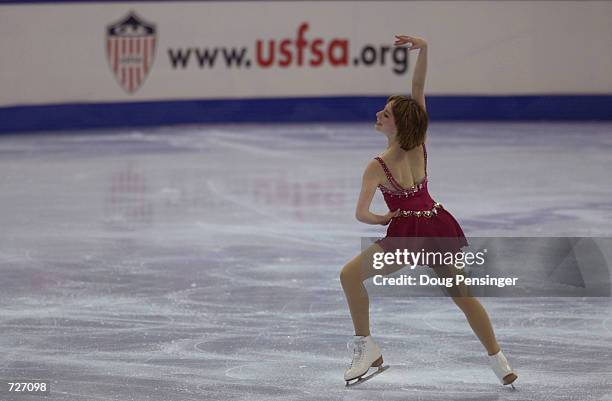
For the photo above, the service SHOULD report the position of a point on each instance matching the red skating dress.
(420, 216)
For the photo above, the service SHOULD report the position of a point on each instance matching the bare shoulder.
(373, 170)
(373, 167)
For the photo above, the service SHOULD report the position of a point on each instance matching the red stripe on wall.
(116, 57)
(145, 49)
(138, 77)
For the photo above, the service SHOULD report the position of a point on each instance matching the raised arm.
(370, 181)
(420, 68)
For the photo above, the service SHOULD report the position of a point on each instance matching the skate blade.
(368, 377)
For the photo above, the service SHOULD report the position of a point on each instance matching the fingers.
(390, 216)
(403, 39)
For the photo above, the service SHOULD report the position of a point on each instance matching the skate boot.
(502, 369)
(365, 355)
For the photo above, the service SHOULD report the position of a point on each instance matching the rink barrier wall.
(291, 110)
(121, 52)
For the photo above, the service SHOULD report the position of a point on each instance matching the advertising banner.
(125, 52)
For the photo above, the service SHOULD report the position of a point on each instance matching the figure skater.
(400, 172)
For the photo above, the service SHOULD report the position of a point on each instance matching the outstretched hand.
(415, 42)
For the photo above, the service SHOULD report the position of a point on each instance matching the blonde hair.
(411, 121)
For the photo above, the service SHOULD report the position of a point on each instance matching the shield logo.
(130, 50)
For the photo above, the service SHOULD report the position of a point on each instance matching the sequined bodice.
(416, 214)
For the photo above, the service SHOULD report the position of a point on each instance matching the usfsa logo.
(130, 50)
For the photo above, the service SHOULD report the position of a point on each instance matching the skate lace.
(357, 349)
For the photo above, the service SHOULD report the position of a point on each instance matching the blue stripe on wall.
(340, 109)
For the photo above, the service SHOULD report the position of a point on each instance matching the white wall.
(57, 53)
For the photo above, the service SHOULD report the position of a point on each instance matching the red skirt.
(438, 233)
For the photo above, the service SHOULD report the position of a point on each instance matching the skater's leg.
(475, 313)
(352, 276)
(479, 320)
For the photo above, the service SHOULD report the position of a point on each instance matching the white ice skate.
(502, 369)
(366, 354)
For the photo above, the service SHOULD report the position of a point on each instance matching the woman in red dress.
(400, 172)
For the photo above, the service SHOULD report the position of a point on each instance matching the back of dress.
(420, 215)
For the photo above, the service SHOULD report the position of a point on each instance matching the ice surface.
(201, 263)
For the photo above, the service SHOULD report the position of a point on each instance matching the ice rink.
(202, 262)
